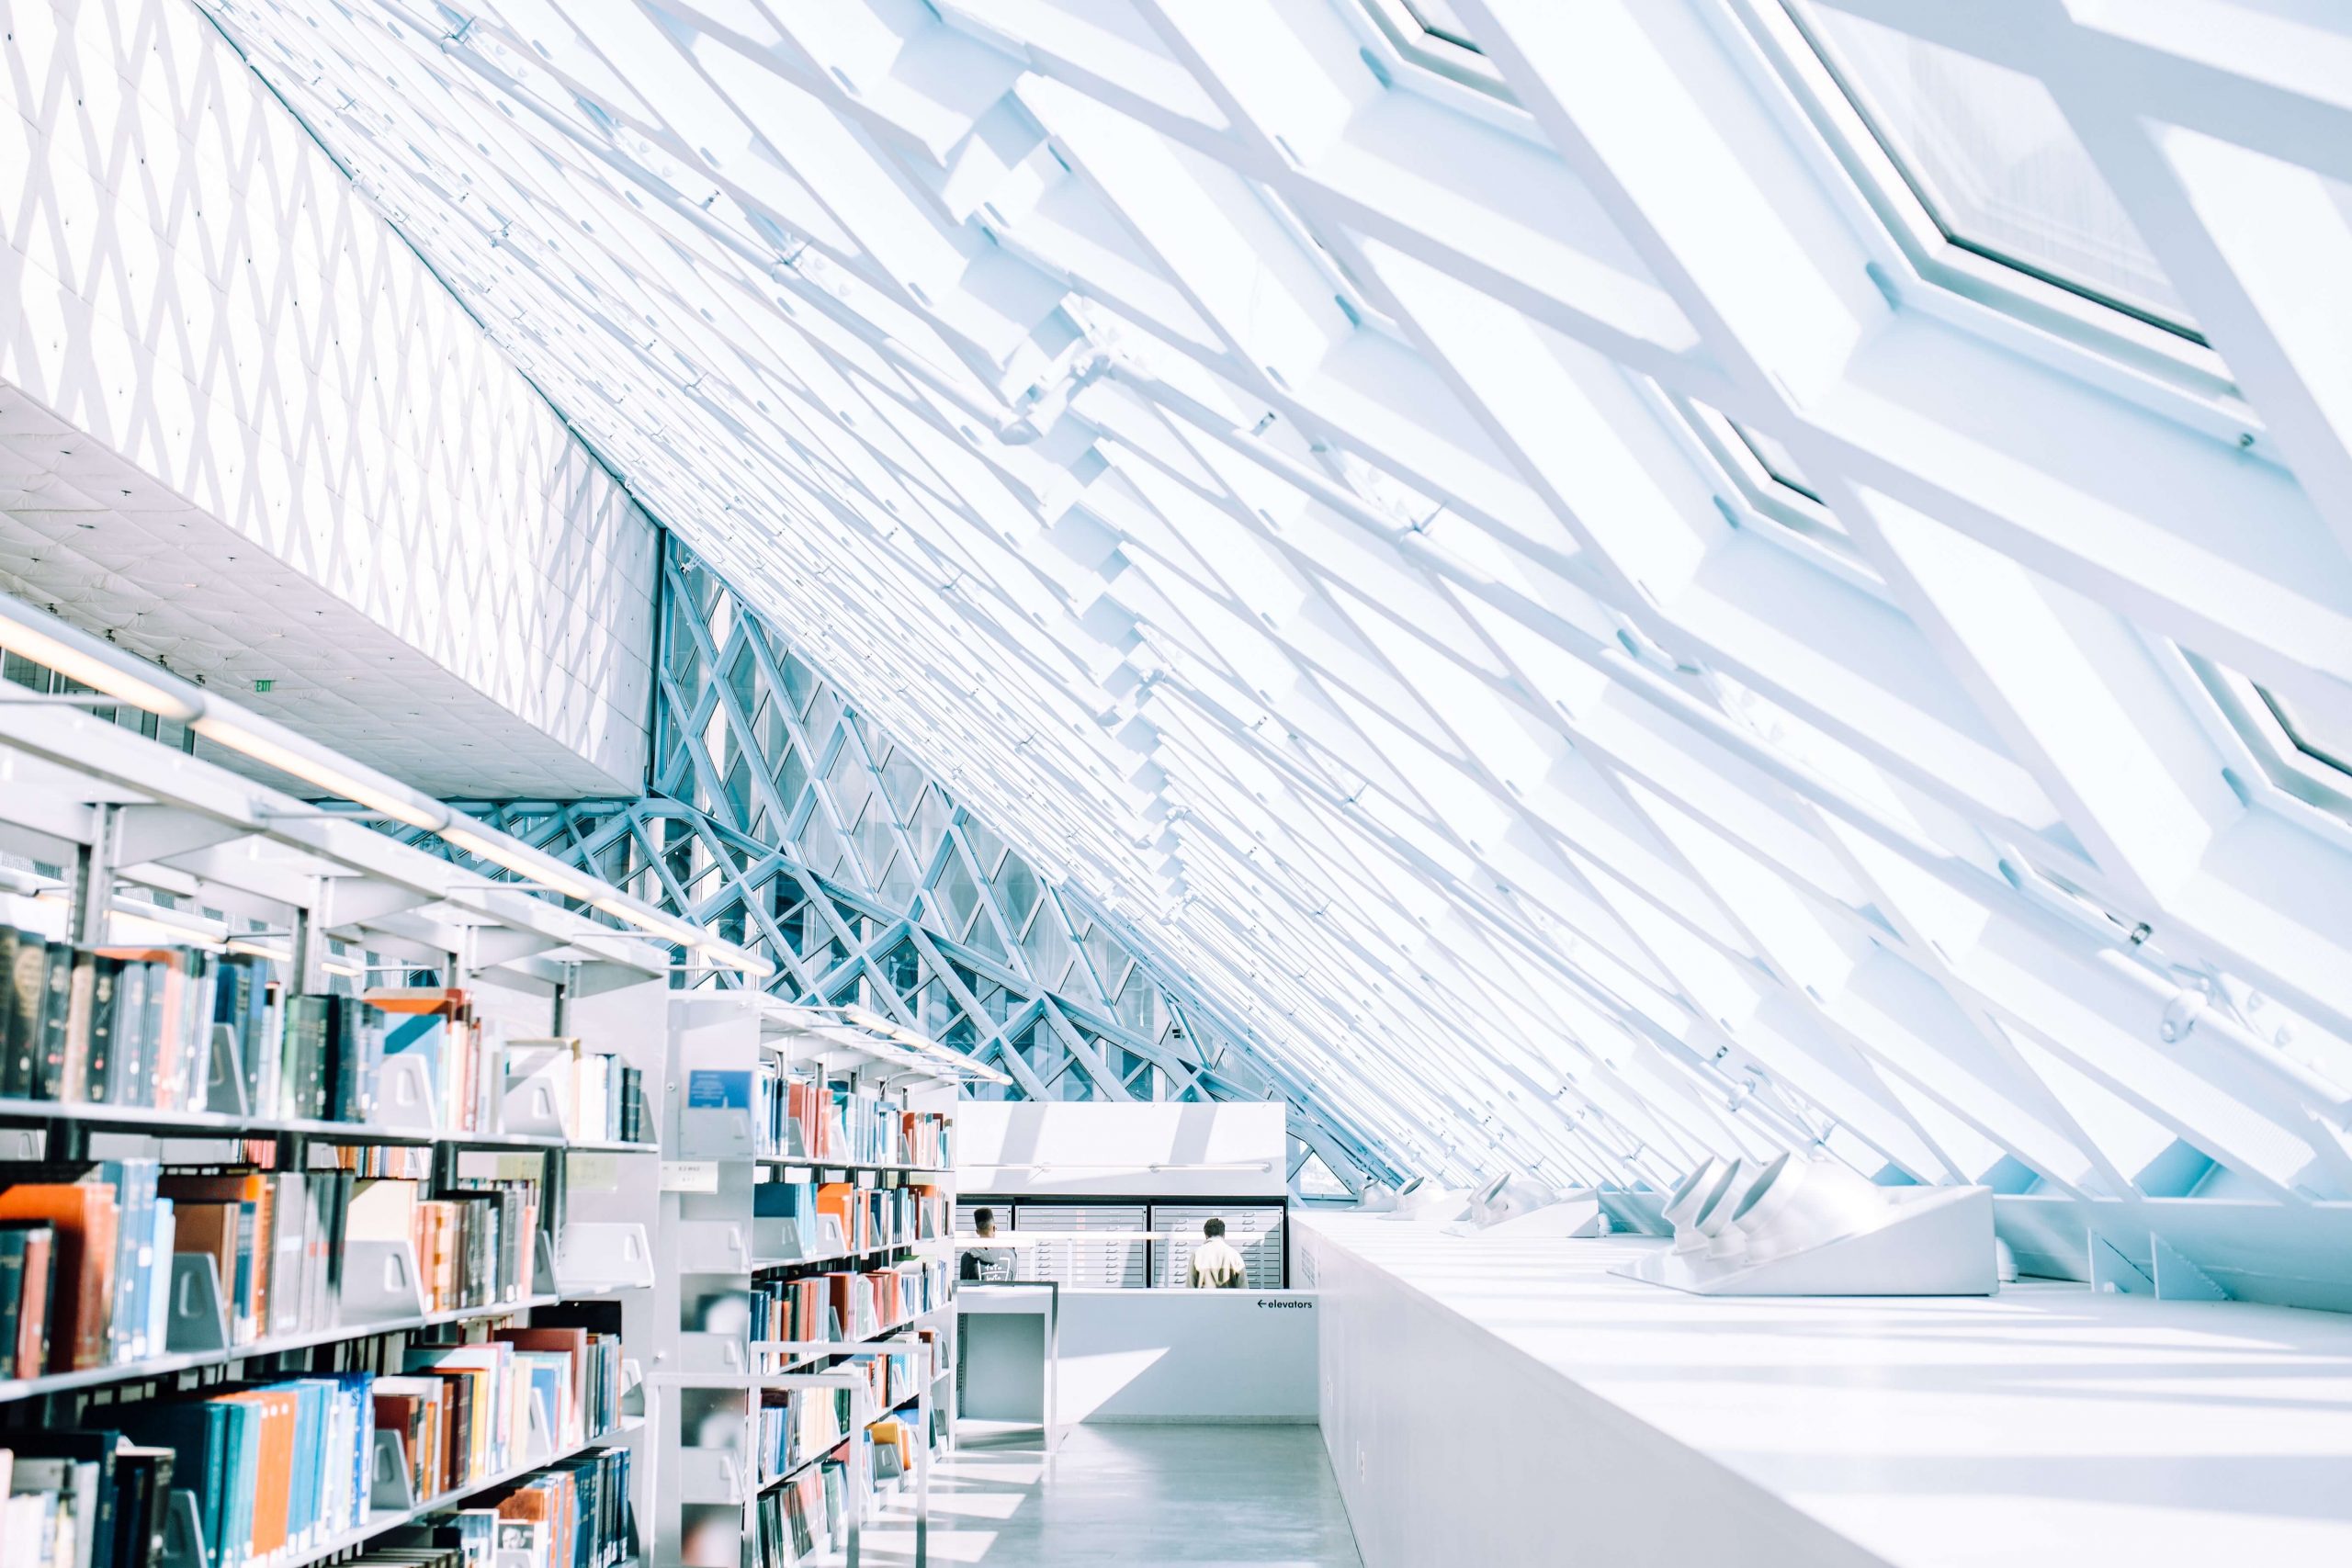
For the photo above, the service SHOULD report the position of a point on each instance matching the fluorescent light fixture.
(880, 1034)
(348, 780)
(75, 654)
(463, 833)
(68, 653)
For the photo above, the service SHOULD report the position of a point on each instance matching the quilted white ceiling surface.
(1621, 579)
(91, 537)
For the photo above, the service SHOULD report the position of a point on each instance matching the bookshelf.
(809, 1263)
(450, 1299)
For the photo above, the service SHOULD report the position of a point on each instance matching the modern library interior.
(1285, 784)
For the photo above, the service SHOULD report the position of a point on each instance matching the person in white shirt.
(1216, 1266)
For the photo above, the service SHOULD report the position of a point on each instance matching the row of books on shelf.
(806, 1117)
(96, 1498)
(464, 1411)
(794, 1523)
(280, 1470)
(139, 1027)
(574, 1514)
(86, 1251)
(474, 1242)
(276, 1467)
(846, 1307)
(805, 1516)
(796, 1426)
(868, 1217)
(597, 1097)
(73, 1499)
(122, 1025)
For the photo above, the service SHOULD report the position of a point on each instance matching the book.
(41, 1527)
(97, 1029)
(91, 1456)
(48, 1061)
(18, 1298)
(83, 1218)
(274, 1468)
(142, 1480)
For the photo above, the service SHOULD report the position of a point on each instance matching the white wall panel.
(1130, 1150)
(1188, 1356)
(257, 438)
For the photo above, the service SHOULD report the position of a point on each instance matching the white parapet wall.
(1493, 1399)
(1189, 1355)
(1125, 1149)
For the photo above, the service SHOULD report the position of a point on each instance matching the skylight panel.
(2325, 740)
(2305, 749)
(1779, 464)
(1775, 488)
(1431, 33)
(1990, 155)
(1443, 22)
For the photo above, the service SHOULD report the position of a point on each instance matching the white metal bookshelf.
(108, 837)
(711, 1371)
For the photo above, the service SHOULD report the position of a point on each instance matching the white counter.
(1488, 1400)
(1151, 1354)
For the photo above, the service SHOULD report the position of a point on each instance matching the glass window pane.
(1440, 20)
(2322, 738)
(1990, 153)
(1778, 460)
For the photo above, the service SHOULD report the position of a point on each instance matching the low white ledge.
(1487, 1398)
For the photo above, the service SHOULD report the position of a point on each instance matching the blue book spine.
(245, 1481)
(361, 1391)
(418, 1033)
(301, 1479)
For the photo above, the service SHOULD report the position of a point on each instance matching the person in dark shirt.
(984, 1265)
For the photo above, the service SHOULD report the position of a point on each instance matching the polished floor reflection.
(1205, 1497)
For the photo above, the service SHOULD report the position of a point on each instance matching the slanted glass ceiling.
(1390, 667)
(1990, 153)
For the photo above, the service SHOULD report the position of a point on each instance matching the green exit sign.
(263, 685)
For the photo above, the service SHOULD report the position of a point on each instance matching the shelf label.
(689, 1176)
(593, 1173)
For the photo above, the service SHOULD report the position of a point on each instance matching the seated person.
(984, 1265)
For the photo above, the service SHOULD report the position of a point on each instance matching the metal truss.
(781, 817)
(1612, 580)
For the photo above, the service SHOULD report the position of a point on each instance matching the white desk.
(1490, 1400)
(1006, 1373)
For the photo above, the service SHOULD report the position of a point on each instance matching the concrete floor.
(1208, 1496)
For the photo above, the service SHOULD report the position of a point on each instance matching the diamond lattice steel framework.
(782, 818)
(1612, 580)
